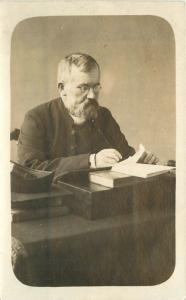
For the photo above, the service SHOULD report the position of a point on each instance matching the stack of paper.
(140, 170)
(131, 166)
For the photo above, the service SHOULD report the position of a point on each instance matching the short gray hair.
(83, 61)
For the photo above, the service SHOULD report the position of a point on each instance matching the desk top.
(149, 204)
(89, 187)
(90, 200)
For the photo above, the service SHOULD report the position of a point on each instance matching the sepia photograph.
(93, 150)
(92, 178)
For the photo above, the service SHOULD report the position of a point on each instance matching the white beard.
(86, 110)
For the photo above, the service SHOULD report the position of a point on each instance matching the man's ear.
(61, 88)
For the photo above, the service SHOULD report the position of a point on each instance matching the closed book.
(21, 215)
(141, 170)
(109, 178)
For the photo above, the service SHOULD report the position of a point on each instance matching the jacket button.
(72, 148)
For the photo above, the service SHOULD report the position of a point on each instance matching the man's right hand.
(107, 158)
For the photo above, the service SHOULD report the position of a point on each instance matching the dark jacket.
(49, 139)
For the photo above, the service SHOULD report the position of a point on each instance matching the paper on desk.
(131, 166)
(135, 158)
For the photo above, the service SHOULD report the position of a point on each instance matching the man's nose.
(91, 93)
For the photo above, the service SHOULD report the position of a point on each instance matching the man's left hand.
(149, 158)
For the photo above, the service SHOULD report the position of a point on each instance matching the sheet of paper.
(132, 159)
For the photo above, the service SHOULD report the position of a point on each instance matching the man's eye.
(83, 88)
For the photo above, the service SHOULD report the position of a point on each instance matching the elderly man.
(73, 132)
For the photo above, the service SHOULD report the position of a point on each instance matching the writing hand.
(107, 158)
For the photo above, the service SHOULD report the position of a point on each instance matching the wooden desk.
(136, 248)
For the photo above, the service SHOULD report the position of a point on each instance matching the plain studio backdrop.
(137, 59)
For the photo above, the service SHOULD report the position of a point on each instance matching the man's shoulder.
(104, 113)
(104, 110)
(106, 120)
(44, 108)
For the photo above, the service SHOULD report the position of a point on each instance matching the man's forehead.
(76, 75)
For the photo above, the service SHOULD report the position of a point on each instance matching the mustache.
(91, 102)
(88, 109)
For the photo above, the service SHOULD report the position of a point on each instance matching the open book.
(121, 173)
(133, 167)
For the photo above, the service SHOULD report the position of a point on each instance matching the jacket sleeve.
(32, 150)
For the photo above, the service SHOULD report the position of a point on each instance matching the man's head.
(79, 85)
